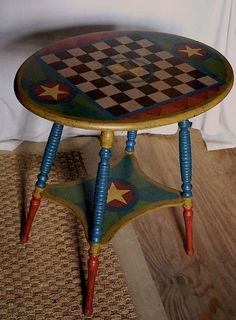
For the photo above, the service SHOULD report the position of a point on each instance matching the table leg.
(186, 175)
(100, 201)
(48, 158)
(130, 142)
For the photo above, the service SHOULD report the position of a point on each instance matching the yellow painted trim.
(188, 202)
(129, 153)
(107, 138)
(95, 249)
(38, 192)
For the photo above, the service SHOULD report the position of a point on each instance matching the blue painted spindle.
(49, 154)
(185, 157)
(131, 141)
(100, 196)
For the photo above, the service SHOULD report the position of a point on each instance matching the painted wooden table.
(119, 81)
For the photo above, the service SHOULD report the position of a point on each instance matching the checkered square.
(128, 73)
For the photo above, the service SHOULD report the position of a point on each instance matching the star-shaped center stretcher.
(130, 194)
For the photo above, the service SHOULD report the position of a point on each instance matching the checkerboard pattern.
(128, 74)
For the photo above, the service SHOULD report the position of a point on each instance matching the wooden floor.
(203, 286)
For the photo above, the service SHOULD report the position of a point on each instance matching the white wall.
(26, 26)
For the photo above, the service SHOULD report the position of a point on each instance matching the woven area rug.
(45, 278)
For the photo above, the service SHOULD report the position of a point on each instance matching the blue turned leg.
(131, 141)
(48, 158)
(186, 175)
(100, 201)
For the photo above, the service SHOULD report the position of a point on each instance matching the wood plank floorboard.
(201, 287)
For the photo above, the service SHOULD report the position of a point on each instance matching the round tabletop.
(123, 80)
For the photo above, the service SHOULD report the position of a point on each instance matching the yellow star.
(116, 194)
(53, 92)
(191, 51)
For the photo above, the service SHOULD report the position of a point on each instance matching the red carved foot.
(92, 272)
(188, 218)
(34, 205)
